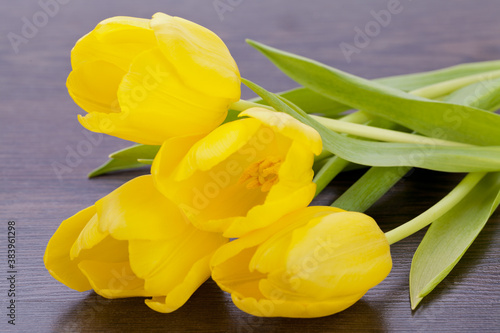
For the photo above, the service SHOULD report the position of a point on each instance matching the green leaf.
(148, 161)
(439, 158)
(312, 102)
(432, 118)
(137, 151)
(414, 81)
(378, 180)
(115, 164)
(232, 115)
(333, 166)
(483, 95)
(450, 236)
(369, 188)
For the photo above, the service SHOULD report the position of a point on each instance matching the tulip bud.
(133, 242)
(150, 80)
(314, 262)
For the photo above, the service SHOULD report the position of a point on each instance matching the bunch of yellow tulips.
(170, 82)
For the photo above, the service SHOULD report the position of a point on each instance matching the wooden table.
(39, 128)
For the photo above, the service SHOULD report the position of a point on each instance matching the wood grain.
(38, 127)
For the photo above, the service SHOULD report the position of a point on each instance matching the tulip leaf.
(148, 161)
(232, 115)
(414, 81)
(310, 101)
(137, 151)
(483, 95)
(133, 157)
(369, 188)
(439, 158)
(450, 236)
(432, 118)
(378, 180)
(115, 164)
(313, 102)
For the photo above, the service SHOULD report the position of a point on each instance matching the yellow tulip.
(314, 262)
(150, 80)
(133, 242)
(244, 175)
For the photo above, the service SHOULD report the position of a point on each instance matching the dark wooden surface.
(38, 126)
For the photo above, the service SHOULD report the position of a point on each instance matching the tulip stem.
(381, 134)
(242, 105)
(436, 211)
(444, 88)
(330, 170)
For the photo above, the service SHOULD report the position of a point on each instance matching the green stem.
(436, 211)
(368, 189)
(242, 105)
(330, 170)
(381, 134)
(446, 87)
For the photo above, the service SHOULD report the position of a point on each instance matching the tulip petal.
(199, 55)
(288, 126)
(271, 254)
(263, 215)
(136, 210)
(216, 147)
(291, 309)
(57, 259)
(349, 254)
(163, 264)
(179, 295)
(234, 277)
(172, 151)
(95, 95)
(295, 172)
(116, 40)
(167, 266)
(112, 280)
(157, 104)
(89, 236)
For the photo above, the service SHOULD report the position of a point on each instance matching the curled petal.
(288, 126)
(95, 95)
(177, 296)
(112, 280)
(57, 259)
(137, 210)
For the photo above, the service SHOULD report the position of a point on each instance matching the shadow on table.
(208, 310)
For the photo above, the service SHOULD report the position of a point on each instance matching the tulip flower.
(314, 262)
(133, 242)
(150, 80)
(244, 175)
